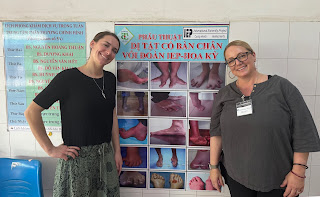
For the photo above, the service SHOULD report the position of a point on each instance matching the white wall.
(288, 46)
(160, 10)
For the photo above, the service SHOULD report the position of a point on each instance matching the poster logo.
(205, 33)
(187, 33)
(125, 36)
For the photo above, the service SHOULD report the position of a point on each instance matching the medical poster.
(168, 76)
(34, 53)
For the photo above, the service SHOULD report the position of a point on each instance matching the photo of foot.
(134, 157)
(200, 104)
(169, 75)
(199, 181)
(170, 104)
(168, 180)
(133, 131)
(198, 159)
(135, 179)
(132, 75)
(167, 131)
(199, 133)
(168, 158)
(207, 75)
(132, 103)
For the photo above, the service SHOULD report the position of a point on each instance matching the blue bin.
(20, 178)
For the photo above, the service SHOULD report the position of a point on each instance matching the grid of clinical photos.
(166, 146)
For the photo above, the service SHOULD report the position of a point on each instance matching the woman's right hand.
(216, 179)
(62, 151)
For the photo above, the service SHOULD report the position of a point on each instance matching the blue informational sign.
(172, 42)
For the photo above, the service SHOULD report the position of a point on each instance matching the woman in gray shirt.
(264, 128)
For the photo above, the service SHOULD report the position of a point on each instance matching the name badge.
(244, 108)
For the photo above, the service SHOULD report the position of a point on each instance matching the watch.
(213, 166)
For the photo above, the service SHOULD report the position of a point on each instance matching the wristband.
(303, 177)
(211, 167)
(301, 165)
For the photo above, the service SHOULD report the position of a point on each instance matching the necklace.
(104, 96)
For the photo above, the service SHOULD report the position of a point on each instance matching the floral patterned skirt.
(92, 174)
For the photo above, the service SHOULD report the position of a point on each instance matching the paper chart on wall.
(167, 79)
(34, 53)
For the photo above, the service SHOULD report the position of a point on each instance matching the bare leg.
(139, 131)
(133, 157)
(164, 68)
(125, 96)
(214, 78)
(174, 159)
(140, 96)
(195, 136)
(195, 101)
(198, 81)
(174, 79)
(176, 128)
(160, 158)
(141, 105)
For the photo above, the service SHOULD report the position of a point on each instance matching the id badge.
(244, 108)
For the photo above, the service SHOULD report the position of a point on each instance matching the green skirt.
(92, 174)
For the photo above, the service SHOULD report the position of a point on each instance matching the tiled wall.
(288, 49)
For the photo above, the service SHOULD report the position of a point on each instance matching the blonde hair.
(238, 43)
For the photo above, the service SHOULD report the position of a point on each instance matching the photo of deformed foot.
(132, 75)
(134, 157)
(134, 179)
(167, 132)
(170, 104)
(132, 103)
(157, 180)
(198, 159)
(200, 104)
(166, 75)
(176, 181)
(199, 181)
(133, 131)
(199, 133)
(169, 180)
(167, 158)
(207, 75)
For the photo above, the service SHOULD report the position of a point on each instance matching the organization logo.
(187, 32)
(125, 36)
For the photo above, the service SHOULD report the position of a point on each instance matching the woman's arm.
(294, 181)
(116, 142)
(215, 152)
(34, 118)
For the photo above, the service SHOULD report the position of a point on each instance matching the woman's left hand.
(118, 160)
(295, 185)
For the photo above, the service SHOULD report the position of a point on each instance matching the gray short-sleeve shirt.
(258, 148)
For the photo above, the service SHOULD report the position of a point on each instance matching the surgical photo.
(168, 131)
(207, 75)
(132, 75)
(169, 75)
